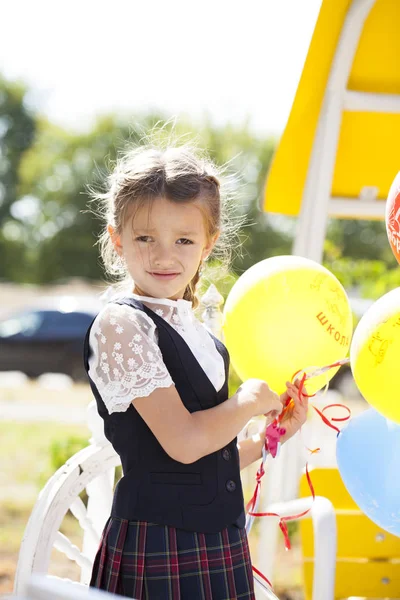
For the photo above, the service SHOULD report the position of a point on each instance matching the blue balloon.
(368, 457)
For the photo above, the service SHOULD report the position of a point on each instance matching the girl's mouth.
(164, 276)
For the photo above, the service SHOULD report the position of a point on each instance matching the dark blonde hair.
(180, 174)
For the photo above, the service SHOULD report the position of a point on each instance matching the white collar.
(111, 294)
(167, 301)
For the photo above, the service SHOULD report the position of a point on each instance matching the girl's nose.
(162, 263)
(162, 257)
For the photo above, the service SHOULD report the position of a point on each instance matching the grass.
(27, 455)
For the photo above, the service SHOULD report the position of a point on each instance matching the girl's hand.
(296, 414)
(264, 400)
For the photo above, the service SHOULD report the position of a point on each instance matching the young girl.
(160, 379)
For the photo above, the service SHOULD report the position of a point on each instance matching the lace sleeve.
(126, 362)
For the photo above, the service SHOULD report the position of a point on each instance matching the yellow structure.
(368, 558)
(337, 157)
(340, 150)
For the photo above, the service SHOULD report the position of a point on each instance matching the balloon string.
(282, 520)
(327, 421)
(303, 379)
(341, 406)
(262, 576)
(261, 471)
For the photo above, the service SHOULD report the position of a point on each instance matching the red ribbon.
(304, 377)
(261, 471)
(252, 502)
(282, 520)
(262, 576)
(327, 421)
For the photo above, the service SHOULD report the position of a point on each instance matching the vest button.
(226, 454)
(230, 485)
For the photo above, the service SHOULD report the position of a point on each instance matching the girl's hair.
(178, 173)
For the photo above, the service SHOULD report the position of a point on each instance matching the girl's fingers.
(284, 398)
(291, 385)
(299, 401)
(293, 393)
(297, 384)
(295, 388)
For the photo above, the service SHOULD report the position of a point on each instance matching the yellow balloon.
(286, 314)
(374, 355)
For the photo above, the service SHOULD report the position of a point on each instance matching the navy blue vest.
(203, 496)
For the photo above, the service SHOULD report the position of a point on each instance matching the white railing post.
(212, 315)
(311, 226)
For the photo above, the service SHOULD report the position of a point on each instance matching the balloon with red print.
(393, 217)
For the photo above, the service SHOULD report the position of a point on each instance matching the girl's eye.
(148, 238)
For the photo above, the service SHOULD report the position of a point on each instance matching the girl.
(160, 379)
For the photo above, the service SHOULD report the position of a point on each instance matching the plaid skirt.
(145, 561)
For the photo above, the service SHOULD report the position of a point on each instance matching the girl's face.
(163, 246)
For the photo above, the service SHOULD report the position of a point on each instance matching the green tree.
(247, 158)
(361, 239)
(60, 235)
(17, 131)
(56, 173)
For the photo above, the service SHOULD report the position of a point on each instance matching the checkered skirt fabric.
(147, 561)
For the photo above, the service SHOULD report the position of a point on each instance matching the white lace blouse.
(126, 361)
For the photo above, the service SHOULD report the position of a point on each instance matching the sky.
(233, 61)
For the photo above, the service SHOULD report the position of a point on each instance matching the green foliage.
(57, 170)
(26, 457)
(118, 474)
(13, 254)
(215, 274)
(361, 240)
(234, 381)
(248, 158)
(293, 528)
(47, 233)
(17, 131)
(366, 278)
(359, 254)
(58, 238)
(61, 450)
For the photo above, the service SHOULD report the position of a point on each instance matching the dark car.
(47, 338)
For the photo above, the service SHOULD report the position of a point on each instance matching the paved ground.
(51, 397)
(24, 412)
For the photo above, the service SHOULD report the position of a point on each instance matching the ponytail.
(190, 291)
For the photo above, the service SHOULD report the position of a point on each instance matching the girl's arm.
(186, 436)
(250, 450)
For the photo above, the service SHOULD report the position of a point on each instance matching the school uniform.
(176, 531)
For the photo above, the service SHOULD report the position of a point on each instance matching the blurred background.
(78, 82)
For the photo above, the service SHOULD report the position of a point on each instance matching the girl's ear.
(210, 245)
(115, 238)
